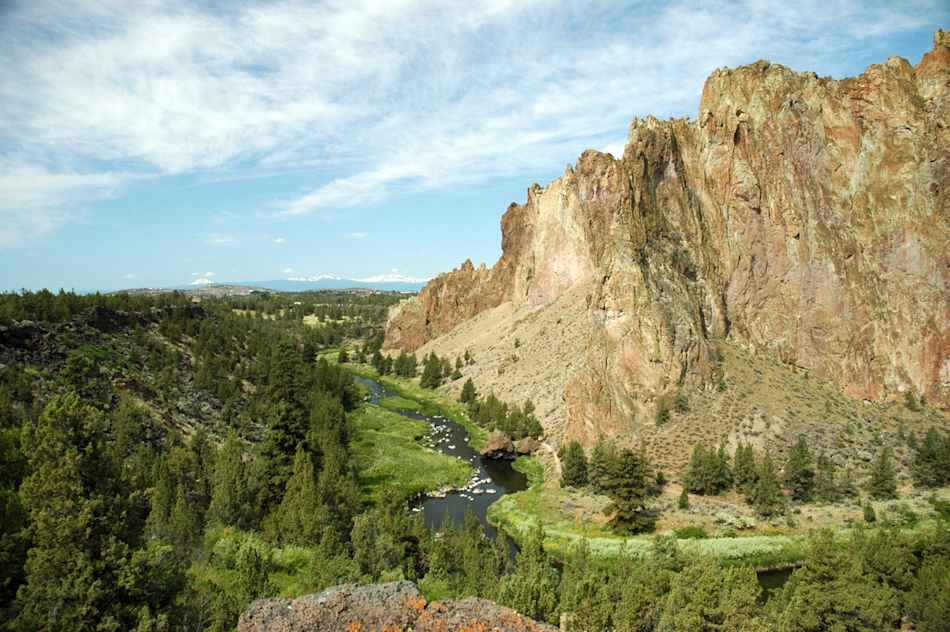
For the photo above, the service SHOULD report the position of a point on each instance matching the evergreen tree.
(695, 478)
(533, 588)
(869, 516)
(343, 357)
(300, 518)
(574, 466)
(75, 505)
(883, 482)
(583, 592)
(468, 394)
(431, 372)
(744, 468)
(628, 487)
(338, 488)
(285, 431)
(848, 488)
(800, 471)
(230, 501)
(766, 497)
(722, 479)
(601, 458)
(683, 502)
(931, 466)
(826, 488)
(705, 596)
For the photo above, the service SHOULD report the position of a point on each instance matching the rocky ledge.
(393, 607)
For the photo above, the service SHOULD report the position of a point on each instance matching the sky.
(159, 143)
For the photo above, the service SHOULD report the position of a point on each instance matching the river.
(493, 478)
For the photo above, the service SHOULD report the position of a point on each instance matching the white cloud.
(383, 97)
(217, 239)
(129, 276)
(358, 235)
(289, 270)
(280, 240)
(393, 277)
(202, 281)
(35, 200)
(207, 274)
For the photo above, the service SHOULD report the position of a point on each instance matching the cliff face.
(801, 215)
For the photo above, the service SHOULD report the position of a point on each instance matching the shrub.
(691, 532)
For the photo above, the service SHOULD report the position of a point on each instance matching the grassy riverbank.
(553, 507)
(386, 448)
(411, 396)
(570, 515)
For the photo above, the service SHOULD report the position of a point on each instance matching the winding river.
(493, 478)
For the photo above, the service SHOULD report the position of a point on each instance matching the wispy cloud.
(217, 239)
(358, 235)
(280, 240)
(35, 200)
(129, 276)
(289, 270)
(384, 97)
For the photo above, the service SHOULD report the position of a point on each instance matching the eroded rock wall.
(803, 215)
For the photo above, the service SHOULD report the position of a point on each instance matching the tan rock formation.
(801, 216)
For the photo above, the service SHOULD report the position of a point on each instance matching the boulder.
(528, 445)
(499, 446)
(391, 606)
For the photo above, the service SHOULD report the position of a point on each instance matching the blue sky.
(158, 143)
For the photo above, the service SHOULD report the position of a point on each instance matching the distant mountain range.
(383, 283)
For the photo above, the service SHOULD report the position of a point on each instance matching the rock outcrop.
(801, 216)
(499, 446)
(374, 608)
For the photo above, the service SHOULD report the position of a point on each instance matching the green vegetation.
(573, 466)
(530, 467)
(883, 482)
(388, 455)
(427, 402)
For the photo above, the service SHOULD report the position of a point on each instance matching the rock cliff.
(381, 607)
(798, 216)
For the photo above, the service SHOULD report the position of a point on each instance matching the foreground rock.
(392, 607)
(499, 446)
(798, 215)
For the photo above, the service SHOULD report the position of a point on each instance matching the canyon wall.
(799, 215)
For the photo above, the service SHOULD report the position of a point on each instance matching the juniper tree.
(574, 466)
(800, 471)
(431, 372)
(931, 466)
(683, 502)
(230, 500)
(744, 468)
(628, 486)
(826, 487)
(722, 480)
(532, 589)
(468, 392)
(600, 463)
(766, 496)
(299, 519)
(883, 481)
(74, 498)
